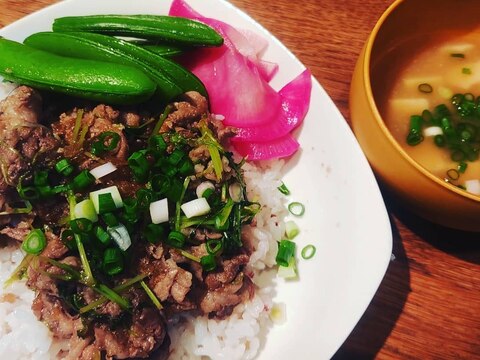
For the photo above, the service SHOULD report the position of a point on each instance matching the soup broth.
(450, 65)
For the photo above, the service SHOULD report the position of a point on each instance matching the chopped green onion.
(83, 180)
(151, 295)
(157, 144)
(107, 141)
(85, 209)
(176, 156)
(103, 170)
(186, 167)
(113, 191)
(458, 55)
(308, 252)
(214, 246)
(40, 178)
(203, 187)
(121, 236)
(27, 192)
(106, 204)
(176, 239)
(64, 167)
(139, 165)
(110, 219)
(415, 135)
(45, 191)
(35, 242)
(286, 250)
(439, 140)
(283, 189)
(208, 263)
(113, 263)
(453, 174)
(466, 71)
(462, 166)
(195, 207)
(154, 233)
(68, 239)
(159, 211)
(291, 229)
(102, 235)
(160, 183)
(81, 226)
(288, 272)
(296, 208)
(425, 88)
(144, 198)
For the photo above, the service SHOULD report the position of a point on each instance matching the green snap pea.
(171, 78)
(94, 80)
(170, 29)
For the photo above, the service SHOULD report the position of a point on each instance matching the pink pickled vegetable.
(295, 97)
(278, 148)
(237, 78)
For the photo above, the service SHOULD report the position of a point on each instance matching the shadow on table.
(461, 244)
(377, 322)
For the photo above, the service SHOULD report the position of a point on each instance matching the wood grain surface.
(428, 306)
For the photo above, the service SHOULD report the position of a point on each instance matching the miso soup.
(439, 85)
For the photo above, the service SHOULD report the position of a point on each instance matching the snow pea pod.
(171, 78)
(176, 30)
(93, 80)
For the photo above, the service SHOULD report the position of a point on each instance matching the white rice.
(240, 336)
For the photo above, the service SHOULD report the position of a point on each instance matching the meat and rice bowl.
(140, 229)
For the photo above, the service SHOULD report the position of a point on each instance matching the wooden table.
(428, 306)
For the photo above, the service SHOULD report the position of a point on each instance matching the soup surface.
(432, 76)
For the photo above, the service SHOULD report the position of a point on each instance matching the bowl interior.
(407, 27)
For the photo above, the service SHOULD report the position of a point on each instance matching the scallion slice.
(83, 180)
(85, 209)
(81, 226)
(159, 211)
(308, 251)
(64, 167)
(291, 229)
(154, 233)
(35, 242)
(196, 207)
(296, 208)
(176, 239)
(113, 263)
(121, 236)
(113, 191)
(208, 262)
(286, 250)
(288, 272)
(283, 189)
(425, 88)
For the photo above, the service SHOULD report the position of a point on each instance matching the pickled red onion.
(237, 82)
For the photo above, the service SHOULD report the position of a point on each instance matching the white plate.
(345, 215)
